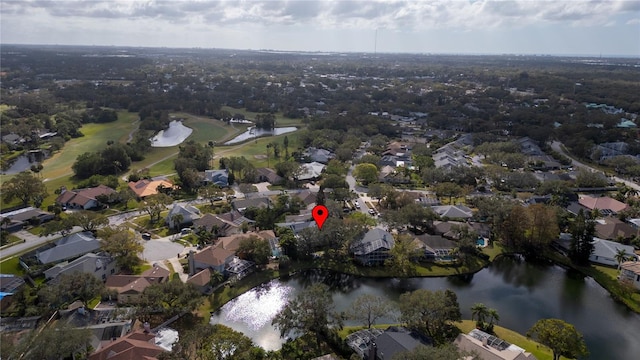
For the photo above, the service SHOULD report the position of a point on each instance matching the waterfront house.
(604, 252)
(373, 248)
(136, 345)
(630, 271)
(212, 257)
(489, 347)
(436, 247)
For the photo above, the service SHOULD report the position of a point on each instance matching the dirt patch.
(260, 157)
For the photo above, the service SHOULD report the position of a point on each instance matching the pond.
(521, 292)
(20, 164)
(254, 132)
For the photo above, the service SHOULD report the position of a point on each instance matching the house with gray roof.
(436, 247)
(318, 155)
(216, 177)
(69, 247)
(453, 211)
(373, 248)
(189, 215)
(311, 171)
(393, 341)
(258, 202)
(18, 219)
(100, 265)
(604, 252)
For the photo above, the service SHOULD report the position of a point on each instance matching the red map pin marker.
(320, 214)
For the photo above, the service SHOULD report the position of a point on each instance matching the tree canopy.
(561, 337)
(25, 187)
(431, 312)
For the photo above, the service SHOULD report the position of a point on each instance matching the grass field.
(250, 115)
(258, 147)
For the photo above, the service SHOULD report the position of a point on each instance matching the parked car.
(146, 236)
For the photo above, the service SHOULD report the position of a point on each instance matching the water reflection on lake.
(20, 164)
(255, 133)
(521, 292)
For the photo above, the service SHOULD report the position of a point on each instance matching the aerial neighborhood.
(146, 197)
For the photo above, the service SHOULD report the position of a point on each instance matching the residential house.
(630, 271)
(529, 147)
(130, 287)
(318, 155)
(311, 171)
(612, 228)
(605, 204)
(489, 347)
(136, 345)
(216, 177)
(373, 248)
(307, 197)
(147, 187)
(212, 257)
(258, 202)
(83, 198)
(202, 280)
(453, 211)
(66, 248)
(436, 247)
(605, 251)
(574, 208)
(269, 175)
(188, 213)
(9, 285)
(18, 219)
(393, 341)
(297, 226)
(232, 243)
(222, 224)
(100, 265)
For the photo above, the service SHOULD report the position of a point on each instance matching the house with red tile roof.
(605, 204)
(83, 198)
(137, 345)
(147, 187)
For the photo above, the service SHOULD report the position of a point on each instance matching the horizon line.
(377, 53)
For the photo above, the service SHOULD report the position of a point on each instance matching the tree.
(122, 244)
(254, 249)
(285, 142)
(621, 256)
(25, 187)
(402, 255)
(430, 312)
(366, 173)
(311, 312)
(494, 317)
(88, 220)
(212, 193)
(155, 204)
(582, 231)
(169, 298)
(176, 220)
(55, 342)
(69, 288)
(448, 189)
(561, 337)
(479, 312)
(368, 308)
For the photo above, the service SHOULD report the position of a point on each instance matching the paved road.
(558, 147)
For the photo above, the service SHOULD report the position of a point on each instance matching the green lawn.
(249, 115)
(255, 150)
(11, 266)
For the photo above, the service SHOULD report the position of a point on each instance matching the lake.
(253, 132)
(521, 292)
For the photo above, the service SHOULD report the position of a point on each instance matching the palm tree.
(480, 312)
(176, 220)
(493, 316)
(621, 256)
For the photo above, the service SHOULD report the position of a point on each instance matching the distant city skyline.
(567, 27)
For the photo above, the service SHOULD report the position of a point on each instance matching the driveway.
(161, 249)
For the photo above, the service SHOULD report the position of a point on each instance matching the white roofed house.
(604, 252)
(373, 248)
(310, 172)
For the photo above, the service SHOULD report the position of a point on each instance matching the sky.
(564, 27)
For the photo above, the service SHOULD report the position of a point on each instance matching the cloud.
(348, 14)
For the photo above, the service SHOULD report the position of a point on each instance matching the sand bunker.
(174, 135)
